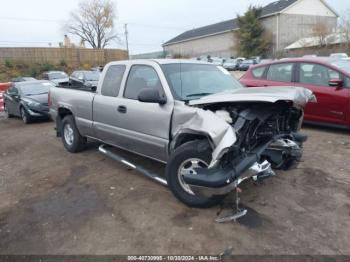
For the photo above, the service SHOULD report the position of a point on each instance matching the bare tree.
(93, 22)
(321, 31)
(344, 27)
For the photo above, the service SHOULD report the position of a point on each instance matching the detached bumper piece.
(220, 181)
(285, 153)
(281, 152)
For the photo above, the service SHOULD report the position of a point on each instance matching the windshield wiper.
(199, 94)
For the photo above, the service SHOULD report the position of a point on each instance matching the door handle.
(122, 109)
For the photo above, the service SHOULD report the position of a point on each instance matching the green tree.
(252, 38)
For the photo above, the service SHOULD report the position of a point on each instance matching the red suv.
(3, 88)
(327, 78)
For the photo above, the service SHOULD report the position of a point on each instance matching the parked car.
(216, 61)
(3, 88)
(210, 131)
(339, 55)
(244, 65)
(240, 59)
(310, 56)
(28, 100)
(257, 59)
(56, 77)
(23, 79)
(84, 79)
(203, 58)
(264, 61)
(231, 64)
(1, 101)
(327, 78)
(97, 68)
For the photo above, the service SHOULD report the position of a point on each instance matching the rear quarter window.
(259, 72)
(112, 80)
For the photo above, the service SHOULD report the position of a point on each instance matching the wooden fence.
(72, 56)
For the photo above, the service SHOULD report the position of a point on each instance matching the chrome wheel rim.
(68, 134)
(188, 167)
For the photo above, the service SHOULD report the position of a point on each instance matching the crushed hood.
(41, 98)
(298, 95)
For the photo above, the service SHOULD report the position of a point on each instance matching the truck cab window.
(141, 77)
(113, 80)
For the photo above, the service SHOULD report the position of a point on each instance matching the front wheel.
(184, 160)
(25, 116)
(71, 138)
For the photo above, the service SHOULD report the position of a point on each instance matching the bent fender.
(191, 120)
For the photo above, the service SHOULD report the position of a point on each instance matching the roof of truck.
(179, 61)
(163, 61)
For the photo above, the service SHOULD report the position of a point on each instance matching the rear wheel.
(71, 138)
(25, 116)
(184, 160)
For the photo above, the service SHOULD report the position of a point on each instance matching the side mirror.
(336, 82)
(151, 95)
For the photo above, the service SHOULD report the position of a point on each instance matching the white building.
(286, 20)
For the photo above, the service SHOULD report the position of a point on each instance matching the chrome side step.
(104, 150)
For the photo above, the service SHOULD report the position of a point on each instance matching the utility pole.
(126, 38)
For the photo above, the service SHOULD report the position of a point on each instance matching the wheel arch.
(186, 137)
(20, 106)
(62, 112)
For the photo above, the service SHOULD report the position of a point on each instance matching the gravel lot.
(53, 202)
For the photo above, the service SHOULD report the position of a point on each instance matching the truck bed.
(78, 101)
(86, 89)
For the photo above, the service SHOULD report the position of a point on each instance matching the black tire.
(199, 149)
(25, 116)
(7, 114)
(73, 141)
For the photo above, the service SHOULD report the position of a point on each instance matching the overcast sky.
(151, 22)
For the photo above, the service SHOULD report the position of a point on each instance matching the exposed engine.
(259, 124)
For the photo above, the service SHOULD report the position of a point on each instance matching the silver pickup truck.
(210, 131)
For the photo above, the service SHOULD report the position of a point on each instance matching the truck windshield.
(193, 81)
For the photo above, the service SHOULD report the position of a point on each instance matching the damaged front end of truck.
(251, 131)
